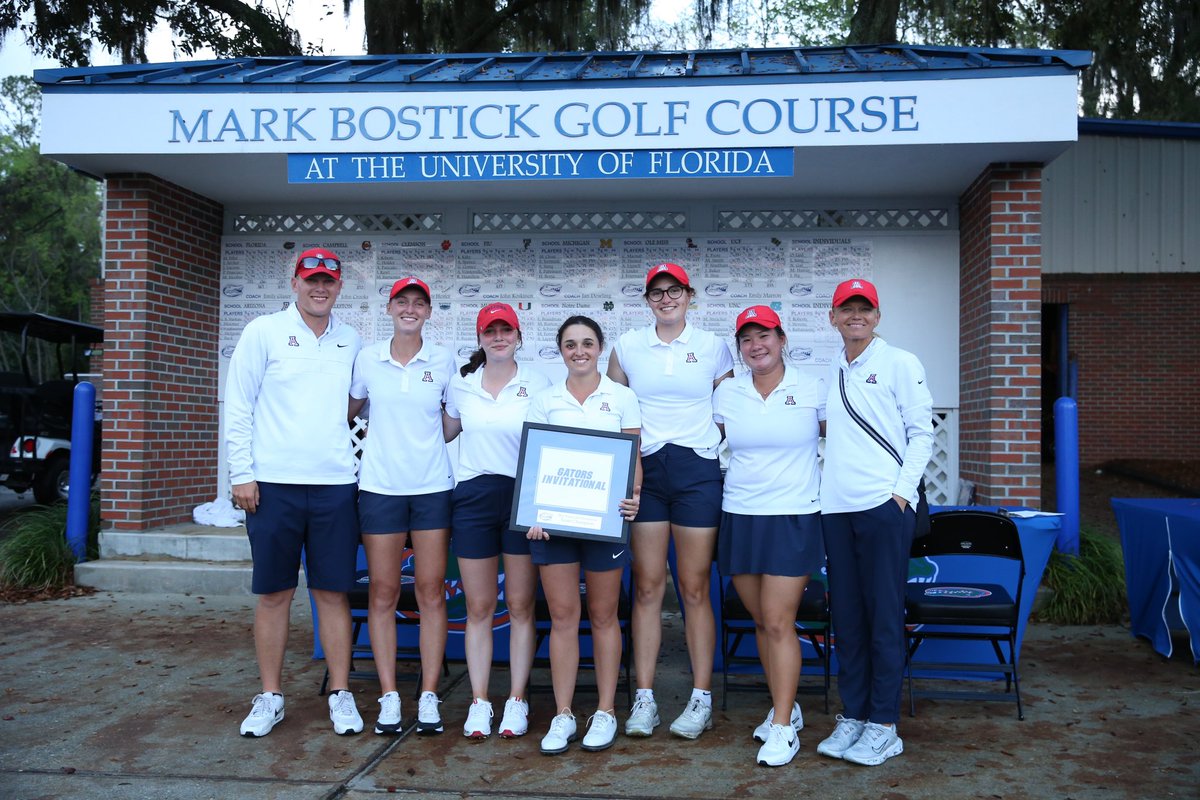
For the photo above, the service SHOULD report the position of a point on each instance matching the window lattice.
(577, 221)
(336, 223)
(840, 219)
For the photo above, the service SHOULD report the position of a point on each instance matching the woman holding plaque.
(589, 400)
(770, 538)
(673, 368)
(487, 404)
(404, 483)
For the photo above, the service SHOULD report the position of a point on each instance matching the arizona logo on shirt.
(604, 406)
(292, 342)
(790, 401)
(871, 378)
(691, 359)
(521, 392)
(428, 377)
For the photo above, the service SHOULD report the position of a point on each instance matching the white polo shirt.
(886, 386)
(285, 402)
(490, 442)
(772, 445)
(405, 449)
(612, 407)
(674, 385)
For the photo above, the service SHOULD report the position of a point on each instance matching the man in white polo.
(291, 463)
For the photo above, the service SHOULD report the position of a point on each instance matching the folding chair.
(624, 616)
(407, 614)
(812, 624)
(967, 610)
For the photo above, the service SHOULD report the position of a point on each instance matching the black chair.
(812, 624)
(967, 610)
(406, 614)
(541, 612)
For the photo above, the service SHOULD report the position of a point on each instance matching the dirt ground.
(1128, 478)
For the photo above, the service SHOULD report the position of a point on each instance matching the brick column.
(161, 309)
(1000, 223)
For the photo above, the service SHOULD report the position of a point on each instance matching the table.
(1161, 542)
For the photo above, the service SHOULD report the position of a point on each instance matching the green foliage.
(1088, 589)
(33, 547)
(49, 226)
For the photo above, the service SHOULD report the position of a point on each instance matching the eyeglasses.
(313, 262)
(674, 292)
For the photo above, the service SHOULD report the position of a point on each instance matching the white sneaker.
(760, 733)
(389, 714)
(781, 746)
(516, 719)
(562, 733)
(602, 730)
(695, 720)
(266, 711)
(344, 714)
(877, 744)
(479, 720)
(429, 720)
(843, 737)
(643, 718)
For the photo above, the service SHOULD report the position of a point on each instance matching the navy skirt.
(790, 545)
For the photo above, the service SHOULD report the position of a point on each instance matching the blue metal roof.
(1131, 127)
(481, 71)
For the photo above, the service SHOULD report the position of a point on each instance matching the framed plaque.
(571, 480)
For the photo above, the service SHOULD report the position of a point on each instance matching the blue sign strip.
(737, 162)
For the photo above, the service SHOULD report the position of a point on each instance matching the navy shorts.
(594, 556)
(482, 510)
(680, 487)
(790, 545)
(320, 520)
(385, 513)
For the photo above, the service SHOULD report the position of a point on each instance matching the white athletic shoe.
(602, 730)
(515, 721)
(344, 714)
(877, 744)
(479, 720)
(643, 718)
(429, 720)
(266, 711)
(561, 734)
(760, 733)
(781, 746)
(695, 720)
(843, 737)
(388, 722)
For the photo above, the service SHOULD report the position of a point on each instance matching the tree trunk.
(874, 22)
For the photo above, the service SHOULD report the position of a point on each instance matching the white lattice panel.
(840, 219)
(578, 221)
(335, 223)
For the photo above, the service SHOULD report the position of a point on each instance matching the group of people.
(771, 521)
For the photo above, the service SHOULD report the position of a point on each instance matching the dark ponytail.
(473, 363)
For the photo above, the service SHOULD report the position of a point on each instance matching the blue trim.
(548, 70)
(1132, 127)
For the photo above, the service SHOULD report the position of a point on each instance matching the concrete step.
(157, 575)
(187, 542)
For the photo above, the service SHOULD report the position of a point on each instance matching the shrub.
(33, 551)
(1088, 589)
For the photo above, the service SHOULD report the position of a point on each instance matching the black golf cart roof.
(48, 328)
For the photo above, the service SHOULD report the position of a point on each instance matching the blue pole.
(1066, 471)
(1064, 353)
(79, 498)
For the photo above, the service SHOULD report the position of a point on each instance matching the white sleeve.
(537, 409)
(247, 367)
(631, 413)
(724, 357)
(457, 383)
(916, 411)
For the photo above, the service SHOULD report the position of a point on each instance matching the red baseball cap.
(674, 270)
(402, 284)
(757, 315)
(317, 261)
(496, 312)
(855, 287)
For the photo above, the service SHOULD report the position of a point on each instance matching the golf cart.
(35, 415)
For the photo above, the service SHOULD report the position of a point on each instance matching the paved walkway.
(134, 696)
